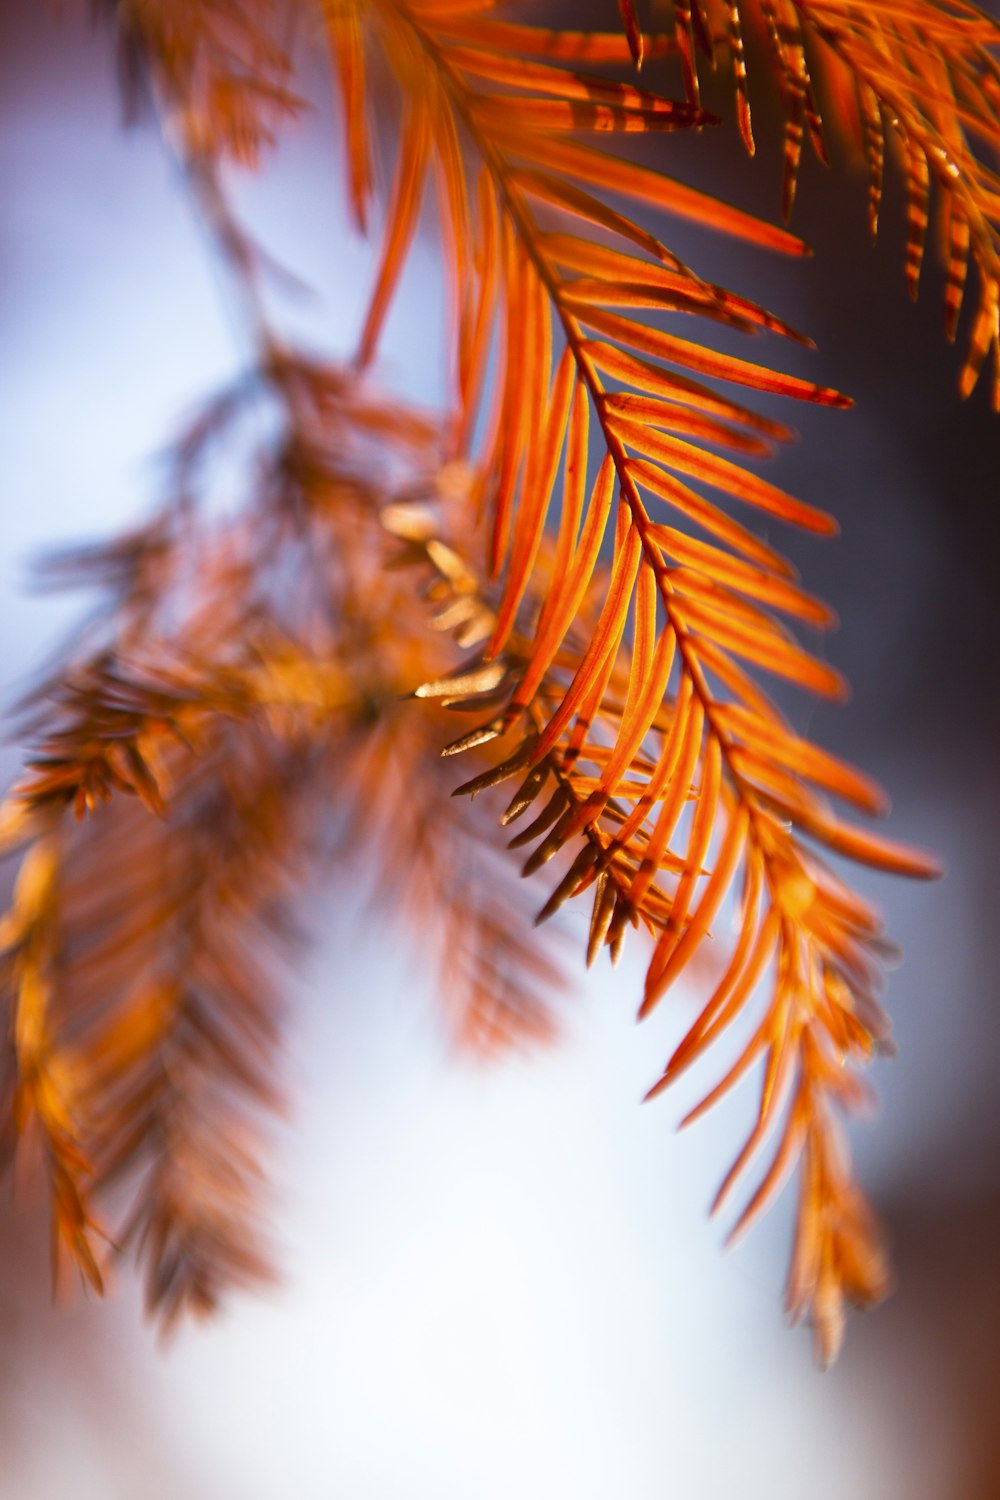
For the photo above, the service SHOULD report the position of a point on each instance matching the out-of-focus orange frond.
(215, 68)
(219, 747)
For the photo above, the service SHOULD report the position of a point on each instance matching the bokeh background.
(499, 1280)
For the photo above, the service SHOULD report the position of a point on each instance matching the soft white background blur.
(500, 1281)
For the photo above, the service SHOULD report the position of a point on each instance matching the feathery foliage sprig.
(255, 679)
